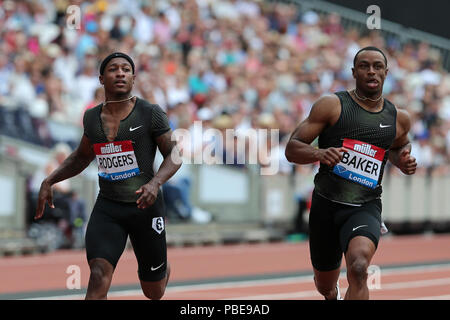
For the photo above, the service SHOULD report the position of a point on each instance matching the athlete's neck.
(117, 103)
(365, 96)
(110, 97)
(371, 100)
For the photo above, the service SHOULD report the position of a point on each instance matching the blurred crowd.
(229, 63)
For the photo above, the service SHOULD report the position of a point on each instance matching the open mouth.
(372, 83)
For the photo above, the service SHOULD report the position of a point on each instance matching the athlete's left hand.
(149, 193)
(407, 163)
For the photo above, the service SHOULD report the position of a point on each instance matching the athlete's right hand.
(45, 195)
(331, 156)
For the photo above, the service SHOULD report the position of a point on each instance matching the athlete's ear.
(353, 73)
(100, 78)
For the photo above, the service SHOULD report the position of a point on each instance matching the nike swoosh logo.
(156, 268)
(132, 129)
(385, 126)
(364, 225)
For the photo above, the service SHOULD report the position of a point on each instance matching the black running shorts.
(110, 224)
(332, 225)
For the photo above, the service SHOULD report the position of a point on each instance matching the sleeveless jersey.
(367, 136)
(126, 163)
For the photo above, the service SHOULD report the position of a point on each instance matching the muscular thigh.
(325, 250)
(361, 221)
(106, 235)
(148, 237)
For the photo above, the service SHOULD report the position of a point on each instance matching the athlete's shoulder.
(328, 99)
(340, 94)
(93, 110)
(156, 116)
(403, 118)
(144, 104)
(391, 105)
(325, 110)
(326, 104)
(90, 114)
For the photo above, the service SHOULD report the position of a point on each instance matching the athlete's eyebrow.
(366, 61)
(119, 64)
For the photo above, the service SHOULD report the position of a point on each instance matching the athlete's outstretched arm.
(170, 165)
(75, 163)
(400, 151)
(299, 150)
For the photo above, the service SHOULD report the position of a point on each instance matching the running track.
(411, 267)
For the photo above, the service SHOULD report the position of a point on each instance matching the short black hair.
(115, 55)
(370, 48)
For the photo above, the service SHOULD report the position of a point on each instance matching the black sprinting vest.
(126, 163)
(368, 136)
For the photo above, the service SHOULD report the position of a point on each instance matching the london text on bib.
(116, 160)
(361, 164)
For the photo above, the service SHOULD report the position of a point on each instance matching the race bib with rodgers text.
(116, 160)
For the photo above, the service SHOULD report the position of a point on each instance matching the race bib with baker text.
(116, 160)
(361, 164)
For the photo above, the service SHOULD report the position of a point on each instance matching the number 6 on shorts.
(158, 224)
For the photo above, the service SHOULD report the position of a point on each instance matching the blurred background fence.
(242, 204)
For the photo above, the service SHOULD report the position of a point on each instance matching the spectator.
(88, 40)
(177, 91)
(99, 97)
(87, 82)
(21, 88)
(65, 67)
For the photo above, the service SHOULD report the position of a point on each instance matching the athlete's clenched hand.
(407, 163)
(45, 195)
(149, 193)
(331, 156)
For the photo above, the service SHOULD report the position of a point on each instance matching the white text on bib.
(361, 164)
(116, 160)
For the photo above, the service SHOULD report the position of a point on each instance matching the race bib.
(116, 160)
(361, 164)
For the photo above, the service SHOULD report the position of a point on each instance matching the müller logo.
(110, 148)
(365, 149)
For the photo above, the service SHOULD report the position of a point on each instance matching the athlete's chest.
(378, 129)
(132, 127)
(110, 126)
(117, 150)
